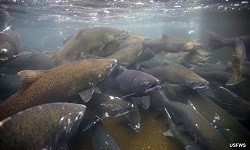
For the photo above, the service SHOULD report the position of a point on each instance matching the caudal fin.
(239, 56)
(215, 41)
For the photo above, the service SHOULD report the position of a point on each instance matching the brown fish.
(87, 39)
(173, 45)
(47, 126)
(178, 74)
(61, 84)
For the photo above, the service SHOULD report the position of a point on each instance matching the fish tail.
(215, 41)
(239, 56)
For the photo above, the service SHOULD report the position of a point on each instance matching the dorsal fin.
(78, 32)
(28, 77)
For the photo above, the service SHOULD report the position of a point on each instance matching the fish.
(101, 138)
(217, 41)
(197, 126)
(232, 103)
(30, 60)
(186, 140)
(133, 118)
(87, 39)
(230, 128)
(173, 44)
(60, 84)
(128, 55)
(178, 74)
(115, 46)
(130, 83)
(47, 126)
(10, 45)
(105, 106)
(239, 56)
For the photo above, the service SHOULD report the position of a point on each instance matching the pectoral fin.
(87, 94)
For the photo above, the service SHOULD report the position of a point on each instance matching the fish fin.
(57, 60)
(145, 102)
(78, 32)
(168, 133)
(234, 80)
(183, 128)
(215, 41)
(117, 71)
(87, 94)
(28, 77)
(193, 146)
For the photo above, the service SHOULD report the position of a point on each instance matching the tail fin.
(239, 56)
(215, 41)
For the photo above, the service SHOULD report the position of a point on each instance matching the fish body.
(115, 46)
(131, 83)
(200, 129)
(195, 57)
(47, 126)
(30, 60)
(187, 141)
(87, 39)
(61, 84)
(8, 86)
(230, 128)
(178, 74)
(232, 103)
(128, 55)
(173, 45)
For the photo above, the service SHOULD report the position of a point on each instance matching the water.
(43, 25)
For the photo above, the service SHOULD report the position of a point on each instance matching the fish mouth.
(153, 88)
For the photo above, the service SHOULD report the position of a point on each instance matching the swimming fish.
(178, 74)
(197, 126)
(130, 83)
(186, 140)
(47, 126)
(115, 46)
(60, 84)
(30, 60)
(230, 128)
(173, 45)
(195, 57)
(216, 41)
(87, 39)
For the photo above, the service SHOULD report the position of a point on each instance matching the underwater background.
(44, 25)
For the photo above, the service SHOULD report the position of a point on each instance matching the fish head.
(192, 45)
(197, 82)
(145, 84)
(114, 107)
